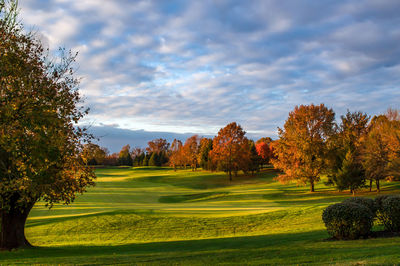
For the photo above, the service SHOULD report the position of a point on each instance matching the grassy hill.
(158, 216)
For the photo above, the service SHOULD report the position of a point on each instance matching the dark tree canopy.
(40, 142)
(345, 169)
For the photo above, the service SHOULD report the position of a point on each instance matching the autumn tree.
(111, 159)
(345, 169)
(157, 145)
(381, 148)
(93, 154)
(160, 147)
(124, 156)
(40, 141)
(302, 146)
(230, 149)
(190, 151)
(175, 154)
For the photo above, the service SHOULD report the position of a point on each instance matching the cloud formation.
(194, 66)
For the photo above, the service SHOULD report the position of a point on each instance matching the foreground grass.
(158, 216)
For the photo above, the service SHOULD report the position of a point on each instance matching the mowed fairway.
(158, 216)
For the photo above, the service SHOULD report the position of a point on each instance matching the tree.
(255, 159)
(175, 154)
(190, 151)
(124, 157)
(40, 142)
(264, 150)
(157, 145)
(345, 169)
(302, 146)
(204, 153)
(381, 148)
(230, 149)
(93, 154)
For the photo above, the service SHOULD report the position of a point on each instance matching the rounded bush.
(389, 213)
(369, 203)
(379, 199)
(348, 220)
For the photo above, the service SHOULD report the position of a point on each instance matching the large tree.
(40, 142)
(302, 146)
(381, 148)
(345, 168)
(231, 149)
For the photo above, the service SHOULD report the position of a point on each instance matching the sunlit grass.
(157, 215)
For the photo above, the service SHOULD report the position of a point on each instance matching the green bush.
(369, 203)
(389, 212)
(348, 220)
(379, 199)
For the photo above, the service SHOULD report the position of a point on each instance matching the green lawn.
(158, 216)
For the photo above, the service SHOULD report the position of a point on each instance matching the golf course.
(155, 215)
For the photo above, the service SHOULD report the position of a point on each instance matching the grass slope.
(158, 216)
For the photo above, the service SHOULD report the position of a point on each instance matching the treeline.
(356, 150)
(353, 153)
(230, 151)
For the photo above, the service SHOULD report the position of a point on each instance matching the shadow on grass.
(297, 248)
(37, 222)
(220, 244)
(192, 197)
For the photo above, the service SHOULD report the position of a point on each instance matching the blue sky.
(195, 66)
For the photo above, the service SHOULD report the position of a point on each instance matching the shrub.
(348, 220)
(379, 199)
(369, 203)
(389, 213)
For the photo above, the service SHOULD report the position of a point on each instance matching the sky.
(174, 68)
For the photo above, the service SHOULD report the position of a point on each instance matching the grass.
(158, 216)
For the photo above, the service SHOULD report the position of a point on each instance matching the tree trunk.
(12, 234)
(378, 188)
(230, 175)
(370, 185)
(312, 186)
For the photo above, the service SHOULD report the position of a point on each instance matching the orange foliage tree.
(231, 149)
(190, 151)
(381, 148)
(175, 154)
(302, 146)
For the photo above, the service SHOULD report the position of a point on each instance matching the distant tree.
(93, 154)
(302, 146)
(138, 155)
(124, 157)
(190, 151)
(111, 159)
(40, 140)
(345, 169)
(146, 160)
(154, 159)
(204, 153)
(230, 149)
(264, 151)
(255, 159)
(266, 140)
(381, 148)
(157, 145)
(175, 154)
